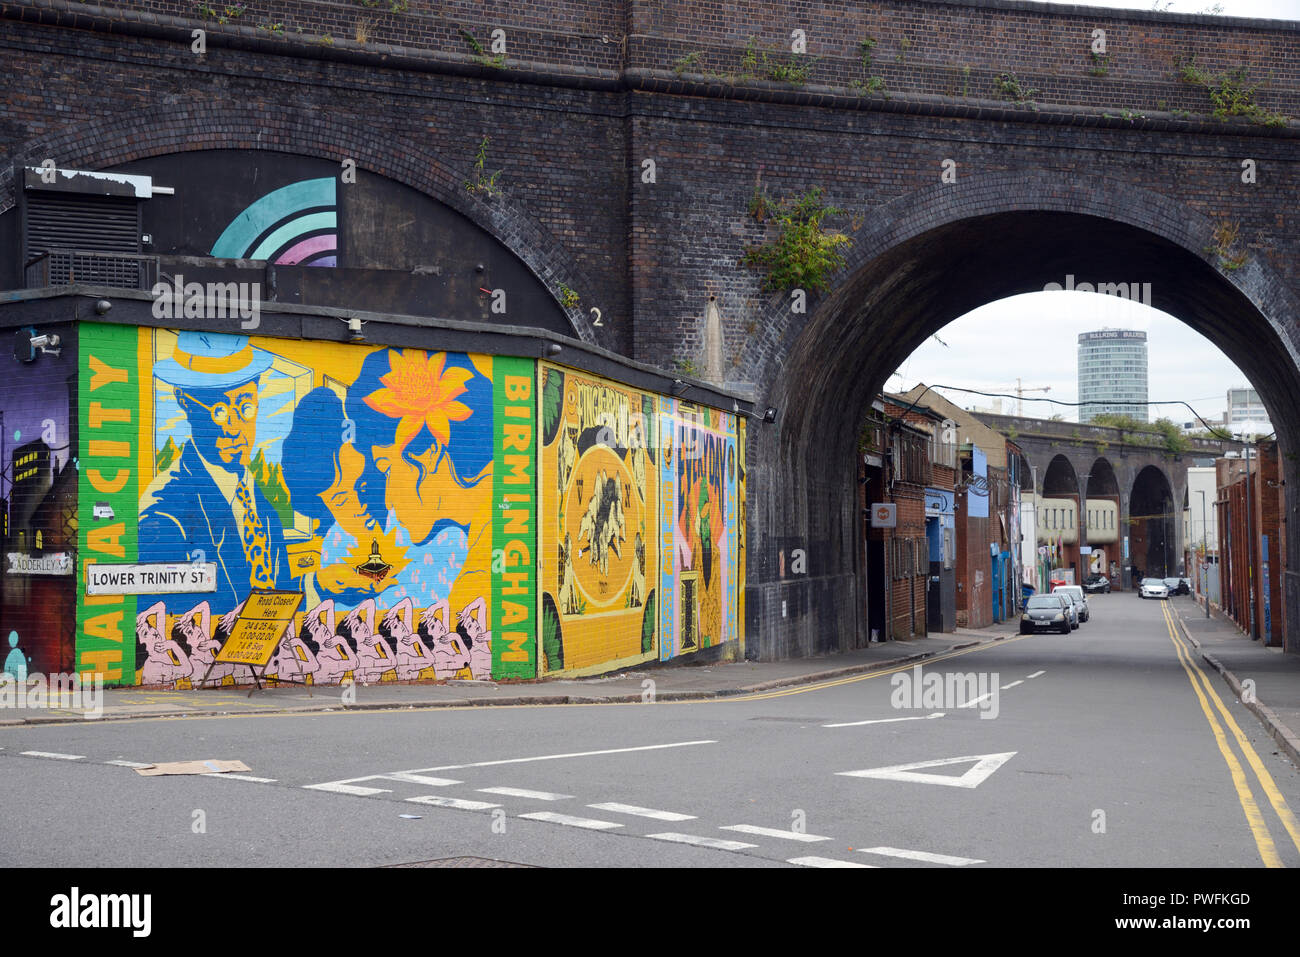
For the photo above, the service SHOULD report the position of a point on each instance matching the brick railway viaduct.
(1111, 170)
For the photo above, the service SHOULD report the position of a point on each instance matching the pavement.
(670, 682)
(1265, 680)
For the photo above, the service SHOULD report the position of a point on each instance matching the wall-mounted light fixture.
(354, 329)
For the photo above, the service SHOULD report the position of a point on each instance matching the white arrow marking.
(985, 765)
(857, 724)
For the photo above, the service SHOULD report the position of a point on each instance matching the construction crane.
(1020, 391)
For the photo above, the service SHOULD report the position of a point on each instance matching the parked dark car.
(1097, 583)
(1047, 613)
(1178, 586)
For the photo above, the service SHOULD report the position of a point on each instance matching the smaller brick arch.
(110, 141)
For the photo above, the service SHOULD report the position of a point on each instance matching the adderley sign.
(156, 579)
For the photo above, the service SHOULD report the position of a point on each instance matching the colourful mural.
(443, 515)
(296, 225)
(699, 523)
(599, 496)
(363, 477)
(38, 496)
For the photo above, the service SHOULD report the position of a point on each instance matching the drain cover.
(462, 862)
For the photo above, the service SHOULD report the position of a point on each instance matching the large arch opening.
(907, 283)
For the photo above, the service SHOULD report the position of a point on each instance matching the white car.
(1153, 588)
(1075, 594)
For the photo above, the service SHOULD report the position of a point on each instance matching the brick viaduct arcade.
(1110, 173)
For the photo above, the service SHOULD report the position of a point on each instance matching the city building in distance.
(1112, 373)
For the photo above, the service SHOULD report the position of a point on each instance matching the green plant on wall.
(687, 63)
(480, 181)
(1224, 238)
(480, 55)
(686, 367)
(1009, 87)
(795, 69)
(1100, 64)
(568, 298)
(1231, 93)
(871, 84)
(804, 253)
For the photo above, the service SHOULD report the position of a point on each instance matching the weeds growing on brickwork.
(1009, 87)
(1231, 93)
(804, 253)
(568, 298)
(480, 55)
(480, 182)
(1225, 236)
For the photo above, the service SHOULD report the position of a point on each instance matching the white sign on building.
(158, 579)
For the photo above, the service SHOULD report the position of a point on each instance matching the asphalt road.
(1104, 748)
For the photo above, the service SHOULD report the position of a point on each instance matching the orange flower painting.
(419, 392)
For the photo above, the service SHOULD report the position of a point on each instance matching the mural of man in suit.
(207, 501)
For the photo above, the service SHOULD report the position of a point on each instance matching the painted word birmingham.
(103, 910)
(947, 691)
(58, 691)
(214, 300)
(1134, 292)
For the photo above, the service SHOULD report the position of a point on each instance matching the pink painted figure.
(374, 656)
(473, 619)
(293, 659)
(195, 628)
(334, 656)
(449, 657)
(167, 661)
(398, 626)
(243, 674)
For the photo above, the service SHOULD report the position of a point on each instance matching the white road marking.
(54, 754)
(127, 764)
(569, 820)
(437, 800)
(339, 787)
(1037, 673)
(825, 862)
(240, 777)
(974, 701)
(856, 724)
(1013, 684)
(713, 842)
(525, 793)
(555, 757)
(773, 832)
(642, 811)
(412, 778)
(921, 856)
(985, 765)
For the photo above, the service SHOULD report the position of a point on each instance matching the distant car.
(1075, 594)
(1097, 583)
(1046, 613)
(1153, 588)
(1178, 586)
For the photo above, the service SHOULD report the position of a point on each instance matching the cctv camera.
(40, 342)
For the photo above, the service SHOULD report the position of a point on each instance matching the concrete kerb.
(1280, 733)
(520, 700)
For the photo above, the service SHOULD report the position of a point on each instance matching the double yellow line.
(1205, 693)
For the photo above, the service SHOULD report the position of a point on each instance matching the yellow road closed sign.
(259, 628)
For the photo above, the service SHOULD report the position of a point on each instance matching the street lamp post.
(1084, 560)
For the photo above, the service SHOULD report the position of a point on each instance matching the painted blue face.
(223, 423)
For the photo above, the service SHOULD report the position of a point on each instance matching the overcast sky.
(1275, 9)
(1035, 337)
